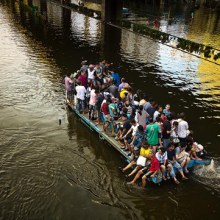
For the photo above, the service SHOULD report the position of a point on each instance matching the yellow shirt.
(145, 152)
(122, 93)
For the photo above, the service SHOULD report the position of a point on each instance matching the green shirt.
(152, 134)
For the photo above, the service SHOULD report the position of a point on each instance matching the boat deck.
(102, 135)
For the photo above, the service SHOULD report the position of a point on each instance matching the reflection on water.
(50, 171)
(200, 25)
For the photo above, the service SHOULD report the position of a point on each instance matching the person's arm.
(153, 175)
(129, 131)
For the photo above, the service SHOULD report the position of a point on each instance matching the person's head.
(139, 93)
(68, 74)
(79, 83)
(96, 91)
(158, 119)
(91, 67)
(169, 118)
(170, 146)
(175, 124)
(145, 145)
(141, 107)
(97, 65)
(114, 82)
(84, 62)
(150, 120)
(183, 145)
(162, 150)
(159, 108)
(140, 128)
(167, 107)
(127, 103)
(182, 115)
(162, 116)
(124, 110)
(132, 121)
(123, 80)
(145, 97)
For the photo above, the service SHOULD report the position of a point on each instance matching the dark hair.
(141, 128)
(158, 119)
(150, 119)
(158, 107)
(169, 117)
(176, 123)
(170, 144)
(182, 115)
(132, 121)
(141, 107)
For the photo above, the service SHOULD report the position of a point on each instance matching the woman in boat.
(141, 116)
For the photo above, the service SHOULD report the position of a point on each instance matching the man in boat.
(80, 94)
(69, 88)
(172, 163)
(153, 130)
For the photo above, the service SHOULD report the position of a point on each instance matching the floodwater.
(200, 24)
(52, 171)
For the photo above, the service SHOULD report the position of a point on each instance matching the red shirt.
(155, 164)
(83, 80)
(105, 109)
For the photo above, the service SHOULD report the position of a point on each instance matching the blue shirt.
(116, 77)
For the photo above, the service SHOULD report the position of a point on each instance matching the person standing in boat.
(166, 132)
(69, 88)
(116, 77)
(91, 73)
(183, 128)
(80, 94)
(153, 130)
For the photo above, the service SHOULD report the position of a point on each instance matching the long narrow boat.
(112, 142)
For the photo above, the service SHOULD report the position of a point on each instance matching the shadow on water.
(63, 171)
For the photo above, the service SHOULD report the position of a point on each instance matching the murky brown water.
(64, 172)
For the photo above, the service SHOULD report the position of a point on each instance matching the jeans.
(177, 166)
(166, 143)
(81, 105)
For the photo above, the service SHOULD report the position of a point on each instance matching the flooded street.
(52, 171)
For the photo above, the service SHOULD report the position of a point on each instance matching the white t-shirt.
(81, 91)
(156, 113)
(182, 128)
(91, 74)
(134, 129)
(162, 157)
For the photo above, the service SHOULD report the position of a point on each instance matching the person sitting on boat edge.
(143, 159)
(161, 155)
(150, 169)
(182, 157)
(129, 136)
(173, 164)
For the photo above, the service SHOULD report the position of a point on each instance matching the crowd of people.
(156, 139)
